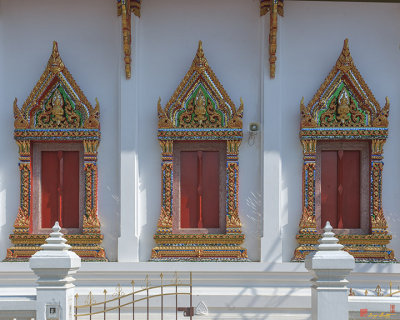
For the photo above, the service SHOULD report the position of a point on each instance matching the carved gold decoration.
(275, 8)
(57, 110)
(200, 109)
(20, 122)
(344, 94)
(344, 108)
(125, 8)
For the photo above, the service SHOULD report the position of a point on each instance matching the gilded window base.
(344, 108)
(200, 109)
(57, 111)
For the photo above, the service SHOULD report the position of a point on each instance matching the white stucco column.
(55, 265)
(128, 241)
(271, 149)
(330, 266)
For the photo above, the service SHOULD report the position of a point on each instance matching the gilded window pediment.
(200, 101)
(344, 100)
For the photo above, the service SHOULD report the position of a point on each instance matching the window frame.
(37, 149)
(180, 146)
(364, 148)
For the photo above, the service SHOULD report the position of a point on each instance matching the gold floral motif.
(233, 221)
(307, 120)
(378, 221)
(163, 121)
(25, 173)
(343, 112)
(309, 146)
(165, 220)
(24, 148)
(200, 113)
(94, 114)
(22, 221)
(307, 220)
(377, 168)
(236, 121)
(90, 146)
(58, 113)
(233, 147)
(377, 146)
(91, 222)
(232, 190)
(381, 121)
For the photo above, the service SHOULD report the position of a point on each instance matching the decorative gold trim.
(199, 109)
(57, 110)
(275, 8)
(125, 8)
(344, 108)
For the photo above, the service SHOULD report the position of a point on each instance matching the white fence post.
(54, 265)
(330, 266)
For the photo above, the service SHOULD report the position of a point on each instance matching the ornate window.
(343, 130)
(199, 131)
(57, 132)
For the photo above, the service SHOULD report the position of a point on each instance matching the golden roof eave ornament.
(124, 9)
(275, 8)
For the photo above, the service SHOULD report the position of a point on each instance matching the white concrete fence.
(55, 265)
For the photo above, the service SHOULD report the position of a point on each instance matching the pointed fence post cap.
(329, 242)
(56, 241)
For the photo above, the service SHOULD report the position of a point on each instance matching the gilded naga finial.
(200, 60)
(55, 63)
(19, 122)
(345, 60)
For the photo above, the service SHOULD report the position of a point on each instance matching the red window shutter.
(188, 185)
(210, 205)
(70, 197)
(329, 188)
(199, 184)
(340, 188)
(60, 189)
(351, 189)
(50, 174)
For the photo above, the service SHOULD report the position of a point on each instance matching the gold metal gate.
(129, 302)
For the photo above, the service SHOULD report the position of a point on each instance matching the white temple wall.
(310, 38)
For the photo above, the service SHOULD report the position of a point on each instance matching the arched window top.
(345, 102)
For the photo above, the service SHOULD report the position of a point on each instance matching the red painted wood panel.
(329, 187)
(199, 183)
(70, 194)
(49, 188)
(351, 189)
(210, 203)
(188, 185)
